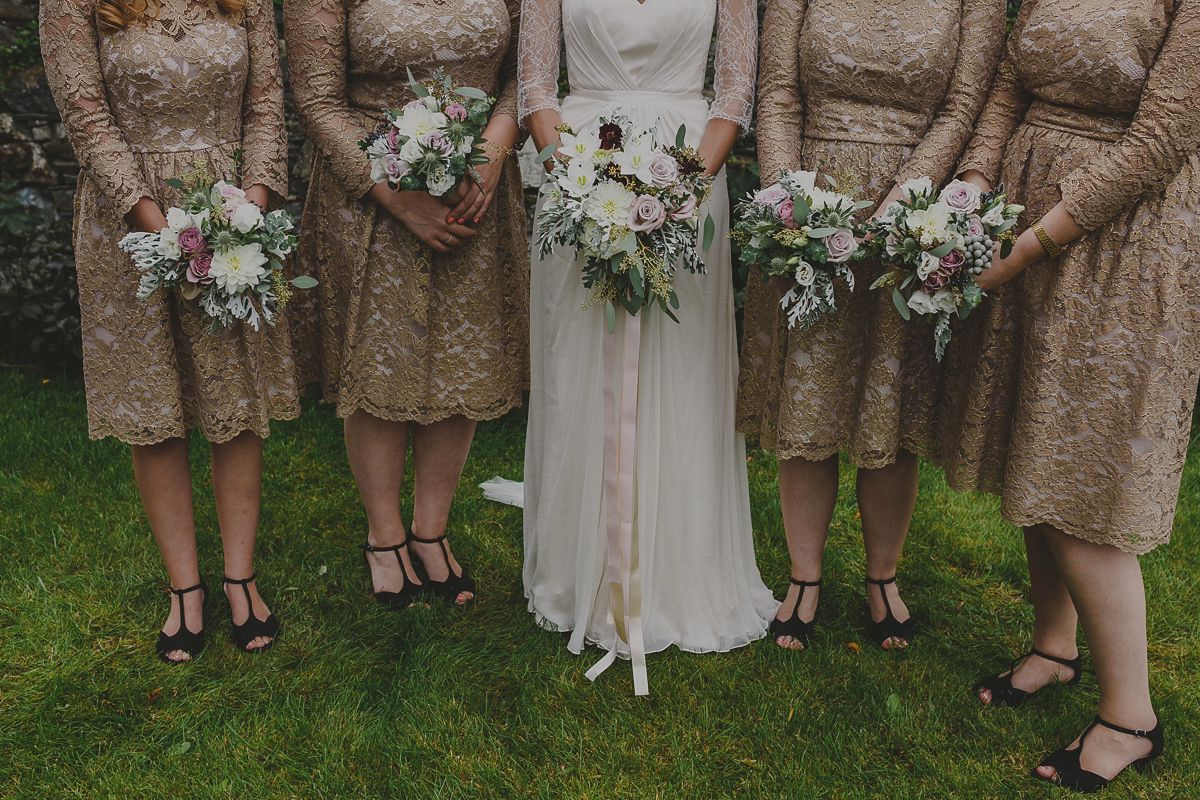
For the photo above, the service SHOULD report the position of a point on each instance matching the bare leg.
(164, 480)
(887, 498)
(375, 448)
(807, 497)
(237, 487)
(1054, 619)
(1106, 587)
(439, 454)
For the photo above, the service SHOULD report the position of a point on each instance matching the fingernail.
(461, 221)
(478, 218)
(449, 220)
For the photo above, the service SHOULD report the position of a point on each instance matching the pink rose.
(953, 261)
(230, 192)
(456, 111)
(974, 226)
(197, 271)
(685, 211)
(393, 139)
(786, 214)
(961, 197)
(438, 142)
(664, 170)
(771, 196)
(646, 214)
(949, 265)
(192, 241)
(394, 166)
(841, 244)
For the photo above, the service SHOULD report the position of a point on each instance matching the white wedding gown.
(700, 587)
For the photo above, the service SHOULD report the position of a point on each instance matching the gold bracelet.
(1053, 248)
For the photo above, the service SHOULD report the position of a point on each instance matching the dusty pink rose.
(455, 111)
(841, 244)
(393, 139)
(961, 197)
(394, 166)
(192, 241)
(974, 226)
(231, 192)
(438, 142)
(786, 214)
(685, 211)
(951, 263)
(197, 271)
(664, 170)
(646, 214)
(772, 196)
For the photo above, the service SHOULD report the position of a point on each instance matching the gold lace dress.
(883, 91)
(407, 334)
(1070, 391)
(143, 105)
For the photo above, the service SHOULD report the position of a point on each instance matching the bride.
(694, 582)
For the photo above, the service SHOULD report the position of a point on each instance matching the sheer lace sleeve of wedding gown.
(700, 587)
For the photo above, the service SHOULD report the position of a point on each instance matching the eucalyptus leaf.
(610, 312)
(801, 211)
(418, 89)
(901, 304)
(904, 284)
(304, 282)
(710, 231)
(547, 152)
(821, 233)
(681, 136)
(470, 93)
(943, 250)
(861, 204)
(175, 183)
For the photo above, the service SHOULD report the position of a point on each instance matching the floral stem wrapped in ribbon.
(795, 230)
(629, 206)
(219, 249)
(433, 141)
(936, 243)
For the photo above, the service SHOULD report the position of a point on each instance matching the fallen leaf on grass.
(854, 647)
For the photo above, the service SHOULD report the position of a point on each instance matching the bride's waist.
(626, 98)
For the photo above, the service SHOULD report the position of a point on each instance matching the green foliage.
(39, 296)
(358, 702)
(25, 50)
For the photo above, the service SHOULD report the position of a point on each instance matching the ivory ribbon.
(620, 450)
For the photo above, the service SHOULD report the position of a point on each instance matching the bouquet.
(796, 230)
(219, 249)
(433, 141)
(936, 243)
(628, 205)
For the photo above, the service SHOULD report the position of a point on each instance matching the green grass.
(358, 702)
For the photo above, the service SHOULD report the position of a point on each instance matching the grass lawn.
(358, 702)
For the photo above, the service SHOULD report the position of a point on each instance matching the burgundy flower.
(610, 136)
(192, 241)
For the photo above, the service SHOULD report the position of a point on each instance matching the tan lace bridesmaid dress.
(407, 334)
(876, 92)
(1071, 394)
(143, 105)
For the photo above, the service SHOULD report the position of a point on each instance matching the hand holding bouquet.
(795, 230)
(629, 206)
(221, 249)
(431, 143)
(936, 244)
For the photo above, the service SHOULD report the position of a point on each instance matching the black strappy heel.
(453, 585)
(889, 627)
(793, 626)
(253, 627)
(1005, 694)
(1069, 773)
(408, 592)
(183, 639)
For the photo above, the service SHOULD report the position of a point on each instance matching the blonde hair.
(115, 15)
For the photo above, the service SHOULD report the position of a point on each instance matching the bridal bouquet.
(433, 141)
(796, 230)
(221, 249)
(628, 205)
(936, 243)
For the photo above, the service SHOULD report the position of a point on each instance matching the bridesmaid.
(147, 91)
(1071, 397)
(424, 305)
(881, 92)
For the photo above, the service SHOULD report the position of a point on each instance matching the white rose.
(916, 186)
(178, 219)
(411, 151)
(430, 102)
(994, 216)
(805, 274)
(440, 182)
(168, 244)
(245, 217)
(923, 303)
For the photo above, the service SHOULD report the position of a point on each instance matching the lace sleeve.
(1006, 105)
(70, 51)
(264, 135)
(780, 104)
(537, 60)
(735, 62)
(315, 31)
(506, 83)
(979, 48)
(1164, 134)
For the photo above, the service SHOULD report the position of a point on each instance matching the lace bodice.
(896, 72)
(627, 46)
(349, 60)
(1122, 71)
(188, 80)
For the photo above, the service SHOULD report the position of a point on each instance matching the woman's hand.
(1058, 224)
(976, 177)
(146, 216)
(424, 215)
(259, 195)
(892, 197)
(471, 198)
(543, 128)
(717, 143)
